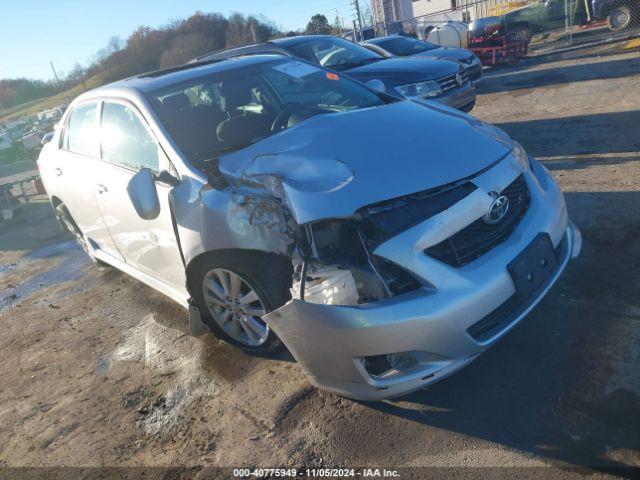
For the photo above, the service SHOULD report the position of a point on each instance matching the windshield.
(335, 53)
(222, 112)
(404, 46)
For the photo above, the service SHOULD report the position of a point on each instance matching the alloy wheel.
(235, 306)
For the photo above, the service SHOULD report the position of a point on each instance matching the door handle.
(58, 171)
(101, 188)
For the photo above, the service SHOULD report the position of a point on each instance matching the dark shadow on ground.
(559, 40)
(603, 133)
(549, 387)
(589, 161)
(559, 76)
(583, 54)
(613, 49)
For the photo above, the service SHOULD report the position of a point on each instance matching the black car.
(445, 81)
(401, 46)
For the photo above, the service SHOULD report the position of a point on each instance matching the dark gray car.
(445, 81)
(399, 46)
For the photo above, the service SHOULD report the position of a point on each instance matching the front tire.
(622, 17)
(235, 290)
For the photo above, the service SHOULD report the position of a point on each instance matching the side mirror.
(376, 85)
(143, 194)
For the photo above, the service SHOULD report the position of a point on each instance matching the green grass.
(35, 106)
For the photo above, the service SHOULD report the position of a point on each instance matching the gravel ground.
(99, 370)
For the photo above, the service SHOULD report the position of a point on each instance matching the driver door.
(127, 145)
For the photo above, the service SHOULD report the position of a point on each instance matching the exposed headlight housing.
(426, 89)
(521, 156)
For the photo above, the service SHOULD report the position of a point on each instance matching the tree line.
(148, 49)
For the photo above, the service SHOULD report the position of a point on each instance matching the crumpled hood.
(331, 165)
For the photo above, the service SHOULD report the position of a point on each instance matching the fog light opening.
(379, 366)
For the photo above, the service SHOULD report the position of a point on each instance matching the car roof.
(376, 41)
(158, 79)
(290, 41)
(282, 43)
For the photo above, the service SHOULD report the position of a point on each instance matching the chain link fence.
(540, 26)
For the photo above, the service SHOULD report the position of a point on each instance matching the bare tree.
(185, 48)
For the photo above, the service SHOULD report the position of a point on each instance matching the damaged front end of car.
(335, 269)
(394, 285)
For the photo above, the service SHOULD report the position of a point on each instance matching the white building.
(426, 7)
(409, 12)
(389, 11)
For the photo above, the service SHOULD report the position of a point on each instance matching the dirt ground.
(99, 370)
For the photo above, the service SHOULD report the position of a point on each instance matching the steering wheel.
(282, 119)
(287, 114)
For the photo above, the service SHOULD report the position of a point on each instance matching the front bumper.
(329, 341)
(463, 98)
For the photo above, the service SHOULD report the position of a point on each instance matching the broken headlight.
(341, 264)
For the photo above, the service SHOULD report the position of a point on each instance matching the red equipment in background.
(490, 41)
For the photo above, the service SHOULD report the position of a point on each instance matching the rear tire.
(268, 275)
(622, 17)
(69, 223)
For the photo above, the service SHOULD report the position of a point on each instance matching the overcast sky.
(35, 32)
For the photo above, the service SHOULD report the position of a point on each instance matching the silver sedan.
(386, 243)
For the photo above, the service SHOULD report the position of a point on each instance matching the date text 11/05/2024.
(315, 472)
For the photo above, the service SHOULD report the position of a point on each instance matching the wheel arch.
(55, 201)
(215, 256)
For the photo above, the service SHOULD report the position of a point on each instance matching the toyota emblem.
(498, 210)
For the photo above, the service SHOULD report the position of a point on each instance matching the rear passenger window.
(82, 130)
(125, 140)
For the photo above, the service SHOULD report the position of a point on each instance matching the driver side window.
(125, 140)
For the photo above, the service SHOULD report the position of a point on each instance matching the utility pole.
(253, 33)
(55, 75)
(356, 6)
(340, 24)
(381, 12)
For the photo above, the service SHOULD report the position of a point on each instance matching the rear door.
(75, 169)
(127, 145)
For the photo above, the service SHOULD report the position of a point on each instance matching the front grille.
(479, 237)
(449, 82)
(507, 313)
(474, 72)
